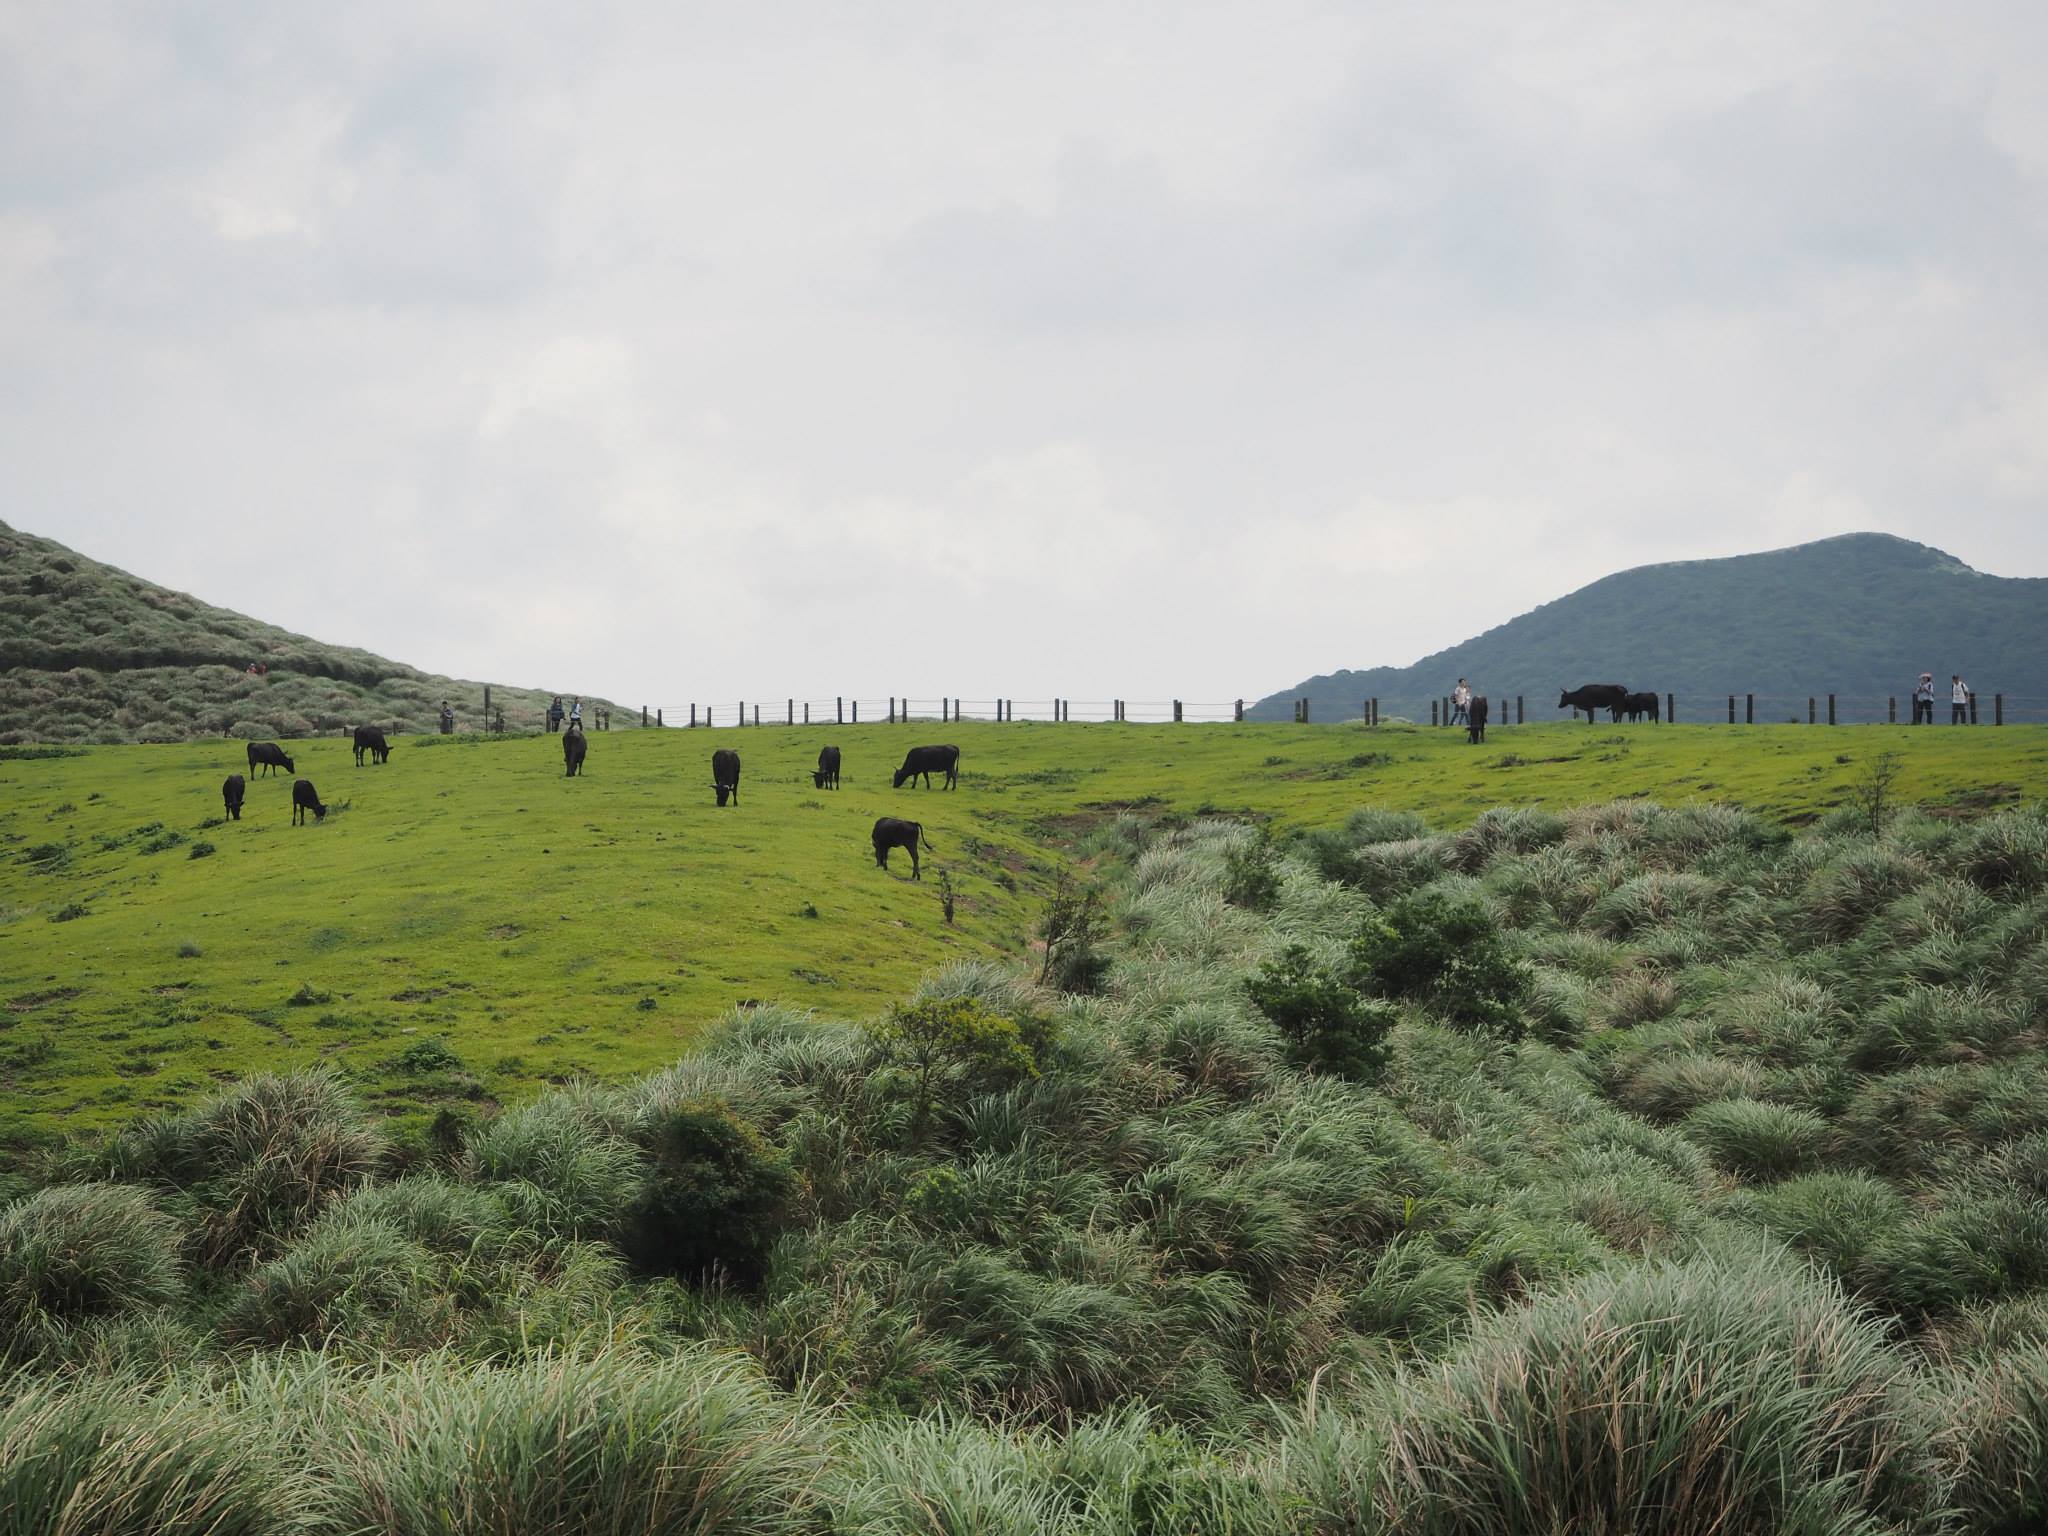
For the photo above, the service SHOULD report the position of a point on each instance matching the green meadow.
(468, 924)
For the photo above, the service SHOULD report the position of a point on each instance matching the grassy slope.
(1860, 615)
(91, 653)
(469, 893)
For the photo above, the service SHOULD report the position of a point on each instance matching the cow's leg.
(915, 872)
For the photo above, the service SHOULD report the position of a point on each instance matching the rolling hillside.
(1859, 616)
(91, 653)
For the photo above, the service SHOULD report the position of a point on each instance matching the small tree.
(946, 896)
(1330, 1027)
(1251, 880)
(1072, 962)
(1872, 793)
(717, 1196)
(952, 1042)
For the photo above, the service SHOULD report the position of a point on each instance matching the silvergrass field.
(1293, 1129)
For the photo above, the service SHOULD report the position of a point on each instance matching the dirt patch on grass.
(27, 1002)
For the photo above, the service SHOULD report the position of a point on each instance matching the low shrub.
(1329, 1025)
(1447, 955)
(715, 1199)
(1756, 1139)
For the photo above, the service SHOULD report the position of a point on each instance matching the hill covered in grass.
(91, 653)
(1612, 1168)
(1860, 616)
(468, 924)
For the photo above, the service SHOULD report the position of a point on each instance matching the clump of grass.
(70, 912)
(1757, 1139)
(560, 1163)
(200, 850)
(187, 950)
(74, 1251)
(1726, 1393)
(615, 1442)
(258, 1161)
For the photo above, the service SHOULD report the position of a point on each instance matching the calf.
(827, 776)
(305, 798)
(1595, 696)
(231, 795)
(1641, 704)
(573, 748)
(894, 832)
(1475, 720)
(725, 775)
(928, 761)
(371, 740)
(269, 755)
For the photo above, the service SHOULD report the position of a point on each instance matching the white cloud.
(686, 351)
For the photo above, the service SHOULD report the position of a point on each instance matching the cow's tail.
(923, 839)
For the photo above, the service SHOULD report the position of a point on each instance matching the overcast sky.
(679, 351)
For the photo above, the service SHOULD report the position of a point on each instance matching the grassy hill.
(469, 896)
(1560, 1167)
(91, 653)
(1859, 616)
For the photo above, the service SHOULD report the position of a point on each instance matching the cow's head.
(818, 778)
(901, 775)
(1563, 699)
(721, 790)
(289, 766)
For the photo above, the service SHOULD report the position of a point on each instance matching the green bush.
(83, 1250)
(1329, 1025)
(559, 1169)
(359, 1283)
(715, 1199)
(950, 1047)
(1448, 955)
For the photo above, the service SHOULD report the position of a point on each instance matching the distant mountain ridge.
(89, 652)
(1860, 615)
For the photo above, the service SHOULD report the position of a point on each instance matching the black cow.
(928, 761)
(231, 795)
(1595, 696)
(371, 740)
(827, 776)
(894, 832)
(270, 755)
(1475, 719)
(725, 774)
(1641, 704)
(573, 748)
(305, 798)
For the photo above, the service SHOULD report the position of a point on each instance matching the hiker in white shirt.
(1923, 700)
(1461, 704)
(1958, 699)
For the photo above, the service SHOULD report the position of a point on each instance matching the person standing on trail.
(555, 715)
(1923, 700)
(1461, 703)
(447, 719)
(576, 715)
(1958, 699)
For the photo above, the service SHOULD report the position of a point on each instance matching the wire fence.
(1691, 708)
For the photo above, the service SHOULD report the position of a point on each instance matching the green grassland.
(469, 923)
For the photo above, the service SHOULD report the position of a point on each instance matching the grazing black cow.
(1475, 719)
(305, 798)
(573, 748)
(928, 761)
(827, 776)
(1595, 696)
(231, 795)
(894, 832)
(371, 740)
(1641, 704)
(725, 774)
(270, 755)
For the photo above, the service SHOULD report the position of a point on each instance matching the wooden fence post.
(1998, 709)
(1432, 711)
(1891, 709)
(1831, 709)
(1749, 709)
(839, 709)
(1238, 717)
(657, 718)
(1810, 711)
(807, 711)
(1731, 709)
(1670, 709)
(892, 709)
(856, 711)
(1176, 711)
(643, 714)
(789, 717)
(693, 717)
